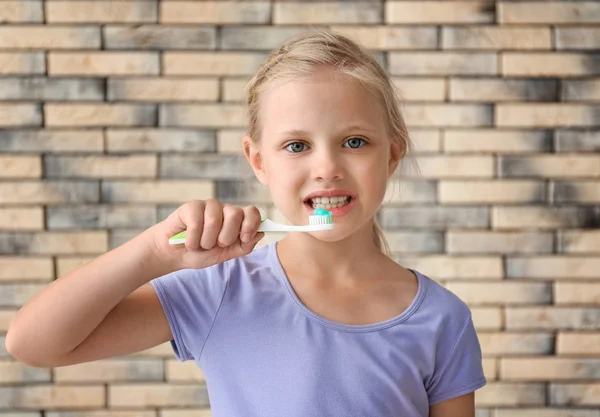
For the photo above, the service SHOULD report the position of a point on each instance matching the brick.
(415, 242)
(215, 12)
(159, 37)
(502, 293)
(188, 413)
(233, 89)
(581, 90)
(553, 267)
(256, 38)
(494, 89)
(498, 242)
(164, 350)
(496, 38)
(494, 191)
(100, 114)
(502, 343)
(100, 217)
(545, 115)
(176, 371)
(543, 369)
(577, 140)
(202, 115)
(490, 369)
(557, 318)
(420, 89)
(434, 115)
(6, 317)
(575, 343)
(577, 38)
(48, 396)
(118, 237)
(434, 217)
(157, 395)
(163, 89)
(106, 11)
(387, 38)
(546, 412)
(21, 218)
(504, 141)
(575, 394)
(204, 166)
(3, 352)
(48, 192)
(442, 166)
(543, 217)
(22, 63)
(577, 191)
(18, 373)
(20, 115)
(242, 192)
(326, 13)
(26, 268)
(164, 191)
(49, 37)
(63, 89)
(230, 140)
(511, 394)
(102, 413)
(578, 241)
(403, 191)
(65, 265)
(103, 63)
(442, 63)
(55, 140)
(116, 370)
(486, 318)
(53, 243)
(15, 11)
(426, 140)
(456, 267)
(419, 12)
(550, 166)
(20, 166)
(123, 166)
(555, 64)
(212, 63)
(553, 12)
(160, 140)
(16, 295)
(577, 293)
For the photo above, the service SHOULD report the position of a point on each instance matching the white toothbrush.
(320, 220)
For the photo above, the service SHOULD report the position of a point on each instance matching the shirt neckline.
(372, 327)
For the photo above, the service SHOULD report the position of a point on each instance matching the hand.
(215, 233)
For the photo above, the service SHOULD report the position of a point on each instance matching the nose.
(327, 165)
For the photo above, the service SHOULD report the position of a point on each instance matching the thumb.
(249, 246)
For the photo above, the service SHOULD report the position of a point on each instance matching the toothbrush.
(320, 220)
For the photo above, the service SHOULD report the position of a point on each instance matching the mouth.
(329, 202)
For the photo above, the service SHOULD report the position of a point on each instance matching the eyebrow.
(300, 132)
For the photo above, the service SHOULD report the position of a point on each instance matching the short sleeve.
(462, 372)
(191, 299)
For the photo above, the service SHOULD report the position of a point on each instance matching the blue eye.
(355, 143)
(296, 147)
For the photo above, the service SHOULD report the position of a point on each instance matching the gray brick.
(100, 217)
(573, 394)
(49, 192)
(494, 89)
(416, 242)
(576, 192)
(439, 217)
(12, 63)
(120, 236)
(545, 217)
(577, 38)
(15, 295)
(442, 63)
(563, 318)
(159, 37)
(256, 38)
(204, 166)
(581, 90)
(496, 38)
(51, 141)
(60, 89)
(327, 13)
(159, 140)
(247, 192)
(550, 166)
(100, 166)
(578, 140)
(21, 11)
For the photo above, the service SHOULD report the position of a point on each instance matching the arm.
(463, 406)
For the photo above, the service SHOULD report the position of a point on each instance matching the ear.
(395, 156)
(254, 158)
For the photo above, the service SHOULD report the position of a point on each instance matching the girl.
(317, 324)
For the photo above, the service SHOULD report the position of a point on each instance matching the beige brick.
(552, 12)
(121, 236)
(16, 295)
(510, 394)
(518, 64)
(541, 217)
(555, 318)
(442, 63)
(544, 369)
(159, 37)
(65, 265)
(54, 140)
(550, 166)
(160, 140)
(546, 115)
(456, 267)
(12, 63)
(443, 166)
(212, 63)
(401, 192)
(502, 293)
(103, 63)
(391, 37)
(48, 192)
(494, 191)
(6, 317)
(421, 89)
(157, 395)
(546, 412)
(183, 371)
(487, 318)
(575, 343)
(18, 373)
(14, 11)
(215, 12)
(426, 140)
(496, 141)
(30, 268)
(20, 166)
(12, 115)
(490, 368)
(163, 89)
(577, 293)
(420, 12)
(555, 267)
(577, 191)
(578, 241)
(164, 350)
(203, 115)
(326, 13)
(496, 38)
(186, 413)
(498, 242)
(575, 394)
(230, 140)
(111, 371)
(100, 114)
(54, 243)
(494, 89)
(434, 115)
(577, 38)
(126, 166)
(233, 89)
(502, 343)
(100, 413)
(48, 396)
(21, 218)
(49, 37)
(164, 191)
(106, 11)
(581, 90)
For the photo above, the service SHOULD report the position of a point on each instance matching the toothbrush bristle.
(320, 219)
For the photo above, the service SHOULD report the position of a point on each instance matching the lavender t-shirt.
(264, 353)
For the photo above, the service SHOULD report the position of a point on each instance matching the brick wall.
(113, 113)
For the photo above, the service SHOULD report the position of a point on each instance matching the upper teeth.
(329, 200)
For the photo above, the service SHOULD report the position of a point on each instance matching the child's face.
(320, 134)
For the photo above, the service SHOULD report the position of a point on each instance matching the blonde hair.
(301, 55)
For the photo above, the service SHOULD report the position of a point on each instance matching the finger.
(192, 215)
(213, 220)
(247, 247)
(232, 222)
(250, 224)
